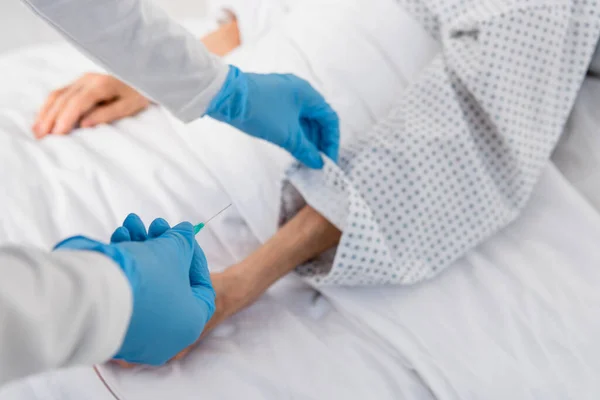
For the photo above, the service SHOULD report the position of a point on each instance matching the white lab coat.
(140, 44)
(69, 308)
(59, 309)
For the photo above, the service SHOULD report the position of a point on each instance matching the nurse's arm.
(96, 99)
(140, 44)
(59, 309)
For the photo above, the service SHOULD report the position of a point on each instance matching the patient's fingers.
(78, 105)
(37, 126)
(136, 228)
(158, 227)
(121, 234)
(124, 364)
(184, 353)
(93, 99)
(118, 109)
(46, 121)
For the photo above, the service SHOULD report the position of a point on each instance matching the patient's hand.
(91, 100)
(96, 99)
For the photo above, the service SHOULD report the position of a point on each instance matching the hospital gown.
(462, 149)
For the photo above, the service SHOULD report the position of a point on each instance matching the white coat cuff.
(197, 107)
(117, 304)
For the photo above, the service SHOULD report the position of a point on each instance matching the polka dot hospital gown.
(459, 154)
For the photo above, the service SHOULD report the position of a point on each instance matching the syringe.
(201, 225)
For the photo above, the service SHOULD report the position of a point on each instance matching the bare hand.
(91, 100)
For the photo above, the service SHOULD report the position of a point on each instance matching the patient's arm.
(96, 99)
(304, 237)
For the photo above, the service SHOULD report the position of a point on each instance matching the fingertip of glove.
(332, 152)
(158, 227)
(184, 227)
(136, 227)
(184, 231)
(313, 160)
(121, 234)
(132, 217)
(161, 221)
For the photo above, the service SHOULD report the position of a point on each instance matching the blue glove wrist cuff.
(114, 252)
(229, 105)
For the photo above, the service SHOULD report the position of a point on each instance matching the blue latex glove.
(282, 109)
(173, 297)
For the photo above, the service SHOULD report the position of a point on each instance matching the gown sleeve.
(459, 154)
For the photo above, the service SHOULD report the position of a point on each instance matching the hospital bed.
(516, 318)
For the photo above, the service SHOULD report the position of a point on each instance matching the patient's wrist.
(318, 234)
(303, 238)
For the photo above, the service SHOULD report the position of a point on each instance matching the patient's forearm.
(304, 237)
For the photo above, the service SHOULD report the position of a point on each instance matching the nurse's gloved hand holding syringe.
(172, 293)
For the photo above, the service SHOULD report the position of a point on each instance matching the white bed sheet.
(151, 164)
(515, 319)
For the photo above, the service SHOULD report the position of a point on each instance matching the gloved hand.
(282, 109)
(173, 297)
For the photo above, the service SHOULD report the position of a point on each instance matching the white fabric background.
(153, 165)
(515, 319)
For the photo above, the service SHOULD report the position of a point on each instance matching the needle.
(201, 225)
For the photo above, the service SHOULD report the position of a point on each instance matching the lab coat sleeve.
(459, 154)
(140, 44)
(59, 309)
